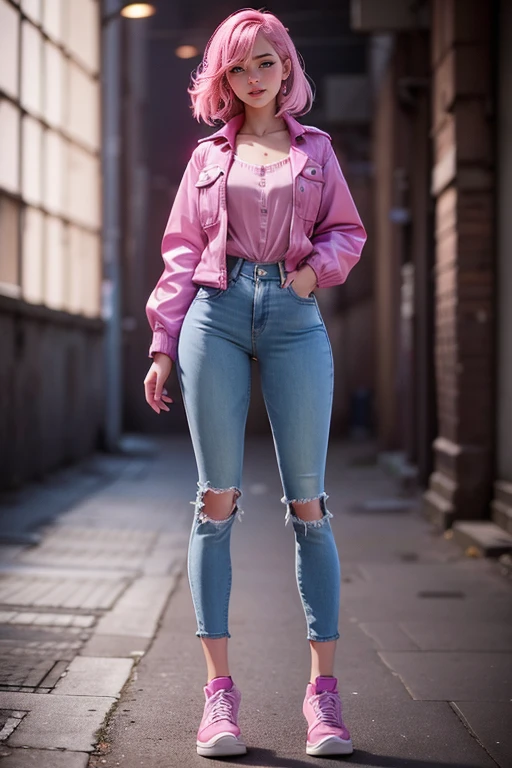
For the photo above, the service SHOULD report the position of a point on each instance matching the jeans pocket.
(208, 292)
(301, 299)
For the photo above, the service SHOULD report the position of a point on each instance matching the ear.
(287, 68)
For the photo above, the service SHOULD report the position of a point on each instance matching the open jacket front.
(325, 231)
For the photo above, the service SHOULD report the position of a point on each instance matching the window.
(31, 139)
(9, 244)
(83, 204)
(83, 117)
(54, 84)
(83, 39)
(54, 163)
(50, 185)
(32, 255)
(31, 62)
(33, 9)
(55, 274)
(9, 146)
(9, 26)
(53, 18)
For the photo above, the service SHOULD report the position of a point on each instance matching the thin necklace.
(244, 133)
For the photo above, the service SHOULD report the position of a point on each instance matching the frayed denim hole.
(199, 504)
(291, 515)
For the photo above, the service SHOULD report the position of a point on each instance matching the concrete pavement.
(424, 663)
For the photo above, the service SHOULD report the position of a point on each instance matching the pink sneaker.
(219, 734)
(327, 735)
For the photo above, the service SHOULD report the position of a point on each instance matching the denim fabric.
(255, 318)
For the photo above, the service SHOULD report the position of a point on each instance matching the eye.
(270, 64)
(233, 70)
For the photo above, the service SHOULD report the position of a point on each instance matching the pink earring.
(284, 88)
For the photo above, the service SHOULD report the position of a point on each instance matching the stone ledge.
(57, 722)
(439, 511)
(487, 539)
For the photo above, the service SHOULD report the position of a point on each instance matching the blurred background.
(95, 132)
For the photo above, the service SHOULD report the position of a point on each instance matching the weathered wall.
(463, 185)
(51, 390)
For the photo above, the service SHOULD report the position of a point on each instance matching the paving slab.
(53, 592)
(491, 722)
(412, 734)
(116, 645)
(453, 676)
(30, 654)
(60, 722)
(91, 548)
(93, 676)
(414, 576)
(44, 758)
(138, 610)
(389, 636)
(458, 636)
(169, 551)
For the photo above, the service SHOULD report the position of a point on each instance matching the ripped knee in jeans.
(293, 514)
(214, 512)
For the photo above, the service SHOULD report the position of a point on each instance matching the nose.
(253, 77)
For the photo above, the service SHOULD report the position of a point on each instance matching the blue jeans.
(256, 319)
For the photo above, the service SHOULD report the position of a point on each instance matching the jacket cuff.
(314, 261)
(163, 343)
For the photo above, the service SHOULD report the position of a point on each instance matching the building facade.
(443, 172)
(51, 408)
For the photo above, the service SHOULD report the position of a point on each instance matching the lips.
(256, 92)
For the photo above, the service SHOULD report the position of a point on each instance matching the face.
(258, 82)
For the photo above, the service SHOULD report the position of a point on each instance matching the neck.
(259, 121)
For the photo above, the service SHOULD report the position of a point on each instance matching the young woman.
(262, 218)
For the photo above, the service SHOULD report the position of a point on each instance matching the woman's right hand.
(155, 380)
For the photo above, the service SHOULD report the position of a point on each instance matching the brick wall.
(462, 183)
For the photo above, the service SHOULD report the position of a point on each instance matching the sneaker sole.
(223, 747)
(330, 746)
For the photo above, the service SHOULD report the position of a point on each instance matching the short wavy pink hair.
(231, 43)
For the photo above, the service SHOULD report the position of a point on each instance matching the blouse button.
(313, 171)
(262, 183)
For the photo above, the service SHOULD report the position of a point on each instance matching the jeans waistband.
(256, 269)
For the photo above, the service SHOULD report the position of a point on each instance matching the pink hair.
(231, 43)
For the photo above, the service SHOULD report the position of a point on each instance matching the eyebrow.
(261, 55)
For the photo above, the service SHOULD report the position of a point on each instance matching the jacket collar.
(229, 131)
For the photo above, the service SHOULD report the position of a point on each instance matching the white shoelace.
(327, 708)
(222, 703)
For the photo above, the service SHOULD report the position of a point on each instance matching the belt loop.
(282, 273)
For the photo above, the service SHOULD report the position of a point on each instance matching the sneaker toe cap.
(217, 730)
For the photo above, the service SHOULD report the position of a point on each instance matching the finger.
(158, 389)
(290, 277)
(162, 401)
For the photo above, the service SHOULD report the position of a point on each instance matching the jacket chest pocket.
(209, 186)
(308, 192)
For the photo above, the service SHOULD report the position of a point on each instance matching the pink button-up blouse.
(259, 203)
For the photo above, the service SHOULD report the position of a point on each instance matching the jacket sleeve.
(338, 236)
(182, 245)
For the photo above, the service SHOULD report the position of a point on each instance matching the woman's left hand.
(304, 281)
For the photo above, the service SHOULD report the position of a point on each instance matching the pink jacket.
(325, 231)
